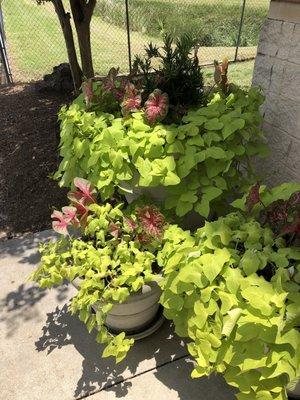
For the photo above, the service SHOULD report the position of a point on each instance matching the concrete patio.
(45, 353)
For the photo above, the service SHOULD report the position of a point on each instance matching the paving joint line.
(132, 377)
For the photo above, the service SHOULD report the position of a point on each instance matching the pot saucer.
(155, 324)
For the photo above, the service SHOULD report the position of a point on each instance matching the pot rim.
(150, 289)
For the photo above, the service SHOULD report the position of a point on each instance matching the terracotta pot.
(136, 314)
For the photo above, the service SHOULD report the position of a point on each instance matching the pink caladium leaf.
(253, 197)
(70, 215)
(87, 89)
(157, 106)
(78, 203)
(131, 223)
(115, 230)
(85, 192)
(151, 220)
(132, 100)
(60, 224)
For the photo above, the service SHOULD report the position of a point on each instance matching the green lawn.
(35, 41)
(213, 22)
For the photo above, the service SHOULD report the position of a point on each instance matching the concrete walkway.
(46, 354)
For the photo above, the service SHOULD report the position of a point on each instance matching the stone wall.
(277, 71)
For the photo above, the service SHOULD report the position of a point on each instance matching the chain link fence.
(223, 27)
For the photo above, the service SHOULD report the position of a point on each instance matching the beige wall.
(277, 71)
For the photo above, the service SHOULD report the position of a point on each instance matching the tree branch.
(89, 9)
(60, 10)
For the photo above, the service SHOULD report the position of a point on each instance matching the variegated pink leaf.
(86, 191)
(131, 223)
(78, 203)
(59, 225)
(151, 220)
(114, 230)
(132, 100)
(70, 215)
(157, 106)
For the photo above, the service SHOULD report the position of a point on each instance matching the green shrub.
(174, 69)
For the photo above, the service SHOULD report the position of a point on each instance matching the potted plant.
(138, 136)
(109, 253)
(233, 289)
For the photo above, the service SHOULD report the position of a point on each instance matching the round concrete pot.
(138, 316)
(295, 393)
(158, 193)
(192, 220)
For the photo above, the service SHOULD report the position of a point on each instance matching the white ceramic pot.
(136, 314)
(295, 393)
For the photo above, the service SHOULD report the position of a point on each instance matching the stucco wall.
(277, 71)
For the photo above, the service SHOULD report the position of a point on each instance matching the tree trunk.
(82, 14)
(84, 41)
(64, 19)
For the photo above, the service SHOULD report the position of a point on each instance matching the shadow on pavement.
(18, 306)
(26, 247)
(62, 329)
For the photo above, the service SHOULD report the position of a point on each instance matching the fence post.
(128, 34)
(240, 30)
(3, 53)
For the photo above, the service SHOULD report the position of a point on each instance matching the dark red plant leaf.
(143, 238)
(253, 197)
(292, 228)
(294, 200)
(277, 212)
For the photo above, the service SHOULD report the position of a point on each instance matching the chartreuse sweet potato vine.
(233, 289)
(114, 257)
(203, 161)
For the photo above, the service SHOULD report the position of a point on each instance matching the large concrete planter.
(138, 316)
(294, 394)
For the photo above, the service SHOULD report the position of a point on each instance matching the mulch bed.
(29, 136)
